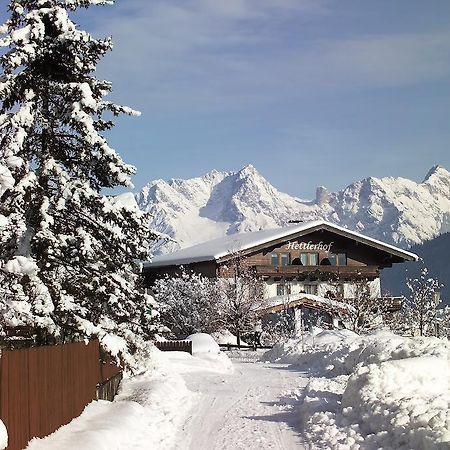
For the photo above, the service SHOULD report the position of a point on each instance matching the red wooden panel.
(53, 386)
(16, 420)
(43, 388)
(69, 379)
(35, 392)
(4, 388)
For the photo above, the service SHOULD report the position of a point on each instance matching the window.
(342, 258)
(313, 259)
(309, 259)
(304, 259)
(283, 289)
(285, 259)
(280, 289)
(332, 257)
(274, 259)
(339, 259)
(311, 289)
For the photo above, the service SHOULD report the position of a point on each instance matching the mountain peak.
(392, 209)
(436, 170)
(214, 175)
(248, 170)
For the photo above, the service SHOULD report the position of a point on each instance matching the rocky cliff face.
(396, 210)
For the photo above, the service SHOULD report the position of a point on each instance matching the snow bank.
(377, 391)
(145, 414)
(409, 396)
(306, 348)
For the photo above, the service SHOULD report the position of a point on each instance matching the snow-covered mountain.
(396, 210)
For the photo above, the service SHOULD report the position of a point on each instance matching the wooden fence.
(175, 346)
(42, 388)
(246, 347)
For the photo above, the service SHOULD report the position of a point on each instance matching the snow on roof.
(227, 245)
(289, 300)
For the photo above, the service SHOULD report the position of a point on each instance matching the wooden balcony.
(318, 272)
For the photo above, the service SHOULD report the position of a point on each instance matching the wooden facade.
(360, 260)
(317, 266)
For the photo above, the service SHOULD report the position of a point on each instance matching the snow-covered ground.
(185, 402)
(245, 409)
(330, 390)
(381, 391)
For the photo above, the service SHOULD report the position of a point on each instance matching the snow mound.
(408, 396)
(294, 350)
(205, 349)
(375, 391)
(203, 343)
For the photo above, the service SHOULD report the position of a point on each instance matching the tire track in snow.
(242, 410)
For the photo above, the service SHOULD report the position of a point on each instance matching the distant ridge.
(435, 255)
(393, 209)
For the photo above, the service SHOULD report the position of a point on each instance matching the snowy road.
(242, 410)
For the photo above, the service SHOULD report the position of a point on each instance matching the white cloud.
(211, 54)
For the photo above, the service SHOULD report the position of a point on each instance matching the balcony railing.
(318, 271)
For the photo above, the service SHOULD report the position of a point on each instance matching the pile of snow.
(21, 264)
(376, 391)
(203, 343)
(310, 345)
(146, 414)
(206, 349)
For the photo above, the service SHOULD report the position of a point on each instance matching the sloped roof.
(222, 247)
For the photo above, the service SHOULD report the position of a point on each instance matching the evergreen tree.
(67, 253)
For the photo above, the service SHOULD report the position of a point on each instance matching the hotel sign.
(321, 246)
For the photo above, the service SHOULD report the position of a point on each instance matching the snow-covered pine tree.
(67, 253)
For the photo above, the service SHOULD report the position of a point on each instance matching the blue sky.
(311, 92)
